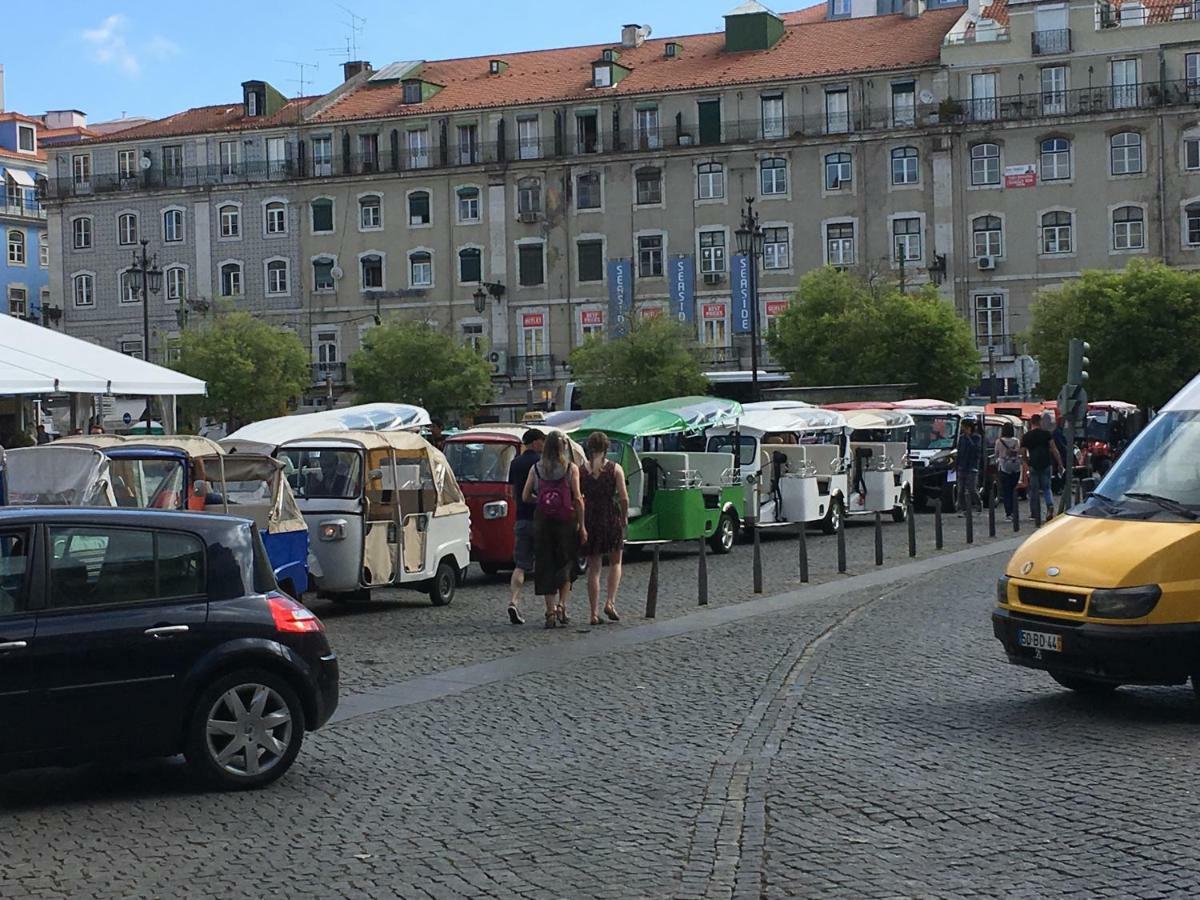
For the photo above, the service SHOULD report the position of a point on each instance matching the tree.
(842, 330)
(652, 362)
(414, 363)
(252, 369)
(1143, 324)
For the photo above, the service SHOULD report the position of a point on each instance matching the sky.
(110, 58)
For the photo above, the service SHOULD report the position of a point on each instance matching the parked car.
(135, 633)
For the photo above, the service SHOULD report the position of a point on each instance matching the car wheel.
(245, 730)
(1083, 684)
(445, 581)
(833, 518)
(722, 540)
(900, 513)
(489, 569)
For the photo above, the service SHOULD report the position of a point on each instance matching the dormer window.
(609, 55)
(496, 66)
(412, 92)
(602, 75)
(26, 140)
(673, 50)
(252, 104)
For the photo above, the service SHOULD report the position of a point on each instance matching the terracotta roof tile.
(1157, 11)
(40, 156)
(201, 119)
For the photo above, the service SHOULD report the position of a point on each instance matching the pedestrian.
(970, 455)
(558, 525)
(96, 429)
(1037, 447)
(1064, 451)
(606, 505)
(532, 442)
(436, 435)
(42, 436)
(1008, 464)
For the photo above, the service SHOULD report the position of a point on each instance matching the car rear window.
(264, 572)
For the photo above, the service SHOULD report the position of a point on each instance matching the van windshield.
(323, 474)
(1162, 467)
(934, 432)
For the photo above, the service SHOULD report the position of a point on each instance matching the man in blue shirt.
(518, 474)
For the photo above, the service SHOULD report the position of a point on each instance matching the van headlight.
(1002, 590)
(1124, 603)
(496, 510)
(333, 531)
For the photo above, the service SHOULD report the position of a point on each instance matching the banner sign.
(651, 312)
(714, 310)
(777, 307)
(740, 281)
(683, 287)
(1023, 176)
(620, 295)
(592, 317)
(533, 320)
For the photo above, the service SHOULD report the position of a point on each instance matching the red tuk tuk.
(1111, 425)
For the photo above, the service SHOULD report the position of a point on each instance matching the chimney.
(634, 35)
(912, 9)
(354, 67)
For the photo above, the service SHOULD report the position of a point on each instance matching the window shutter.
(346, 153)
(394, 144)
(558, 132)
(616, 128)
(444, 143)
(501, 147)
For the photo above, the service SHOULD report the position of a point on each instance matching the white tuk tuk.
(882, 471)
(383, 509)
(263, 437)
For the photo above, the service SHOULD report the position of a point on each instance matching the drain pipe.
(1162, 165)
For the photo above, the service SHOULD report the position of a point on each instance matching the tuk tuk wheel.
(723, 538)
(1082, 684)
(833, 518)
(900, 513)
(445, 582)
(949, 498)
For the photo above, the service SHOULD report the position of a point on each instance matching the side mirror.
(375, 475)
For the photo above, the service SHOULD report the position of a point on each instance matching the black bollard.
(1016, 513)
(758, 576)
(652, 587)
(878, 539)
(702, 578)
(970, 520)
(912, 530)
(802, 531)
(1037, 515)
(938, 538)
(841, 542)
(992, 509)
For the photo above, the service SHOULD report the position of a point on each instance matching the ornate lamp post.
(750, 237)
(151, 284)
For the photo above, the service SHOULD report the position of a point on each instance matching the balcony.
(1078, 102)
(1001, 346)
(541, 366)
(21, 208)
(328, 372)
(720, 358)
(1048, 43)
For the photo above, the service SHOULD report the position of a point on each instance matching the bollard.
(803, 553)
(652, 587)
(938, 538)
(878, 539)
(841, 542)
(1078, 490)
(970, 520)
(758, 576)
(912, 530)
(1036, 512)
(1016, 513)
(702, 578)
(992, 509)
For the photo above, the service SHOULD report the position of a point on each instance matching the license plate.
(1039, 640)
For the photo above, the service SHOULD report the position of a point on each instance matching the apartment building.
(25, 265)
(524, 202)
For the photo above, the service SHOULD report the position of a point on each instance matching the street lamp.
(750, 239)
(480, 297)
(151, 284)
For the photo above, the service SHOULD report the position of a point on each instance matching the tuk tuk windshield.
(148, 483)
(326, 474)
(724, 443)
(62, 476)
(480, 460)
(934, 432)
(1158, 474)
(1100, 425)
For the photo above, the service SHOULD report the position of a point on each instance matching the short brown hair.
(597, 443)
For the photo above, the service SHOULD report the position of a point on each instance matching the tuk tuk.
(263, 437)
(383, 510)
(798, 455)
(934, 452)
(1110, 426)
(480, 458)
(882, 469)
(677, 490)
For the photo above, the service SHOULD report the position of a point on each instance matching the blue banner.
(620, 296)
(740, 282)
(683, 287)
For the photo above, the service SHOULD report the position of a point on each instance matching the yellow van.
(1109, 594)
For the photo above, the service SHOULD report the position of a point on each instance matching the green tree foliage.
(652, 362)
(1143, 324)
(841, 330)
(413, 363)
(252, 369)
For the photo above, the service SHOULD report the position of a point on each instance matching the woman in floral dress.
(606, 509)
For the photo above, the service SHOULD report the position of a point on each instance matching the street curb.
(547, 659)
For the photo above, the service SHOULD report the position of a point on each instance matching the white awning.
(20, 176)
(37, 360)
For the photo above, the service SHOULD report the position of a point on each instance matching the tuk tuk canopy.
(681, 415)
(58, 476)
(263, 437)
(797, 420)
(878, 420)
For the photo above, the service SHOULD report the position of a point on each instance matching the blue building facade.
(24, 248)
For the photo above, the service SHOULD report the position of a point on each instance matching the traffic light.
(1077, 362)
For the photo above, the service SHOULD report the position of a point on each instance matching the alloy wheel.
(248, 730)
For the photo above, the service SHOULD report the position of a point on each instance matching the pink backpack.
(554, 497)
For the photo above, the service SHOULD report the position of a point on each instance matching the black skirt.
(555, 553)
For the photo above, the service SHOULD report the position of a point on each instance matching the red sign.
(591, 317)
(1023, 176)
(652, 312)
(777, 307)
(533, 320)
(714, 310)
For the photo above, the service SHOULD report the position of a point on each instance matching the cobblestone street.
(862, 737)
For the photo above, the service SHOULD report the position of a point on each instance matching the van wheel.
(245, 730)
(833, 518)
(445, 581)
(1082, 684)
(900, 513)
(722, 540)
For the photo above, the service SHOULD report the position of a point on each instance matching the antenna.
(303, 79)
(354, 24)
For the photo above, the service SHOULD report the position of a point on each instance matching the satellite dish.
(926, 96)
(145, 163)
(336, 272)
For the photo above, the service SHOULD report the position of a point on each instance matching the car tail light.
(291, 616)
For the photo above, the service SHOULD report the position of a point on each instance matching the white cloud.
(110, 46)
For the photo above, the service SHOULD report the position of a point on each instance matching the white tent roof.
(37, 360)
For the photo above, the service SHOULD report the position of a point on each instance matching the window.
(230, 155)
(529, 196)
(231, 279)
(230, 217)
(81, 168)
(533, 334)
(528, 138)
(370, 212)
(591, 323)
(131, 348)
(837, 110)
(468, 204)
(251, 103)
(647, 128)
(172, 161)
(983, 96)
(777, 247)
(18, 303)
(81, 233)
(985, 164)
(987, 237)
(325, 349)
(714, 331)
(712, 252)
(530, 271)
(1128, 228)
(371, 271)
(127, 229)
(93, 566)
(173, 225)
(419, 208)
(1191, 67)
(587, 132)
(602, 76)
(1191, 153)
(587, 191)
(127, 163)
(129, 286)
(1191, 214)
(16, 247)
(905, 166)
(412, 92)
(710, 181)
(43, 252)
(26, 142)
(650, 256)
(839, 243)
(323, 274)
(417, 143)
(368, 152)
(470, 265)
(322, 216)
(989, 320)
(1054, 90)
(904, 104)
(591, 260)
(1123, 76)
(322, 156)
(1056, 159)
(420, 269)
(1126, 153)
(176, 280)
(773, 176)
(649, 187)
(1056, 232)
(83, 290)
(906, 239)
(468, 144)
(277, 157)
(472, 333)
(277, 276)
(772, 117)
(839, 9)
(838, 172)
(275, 217)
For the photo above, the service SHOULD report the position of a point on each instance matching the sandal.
(611, 612)
(596, 620)
(514, 615)
(561, 612)
(551, 620)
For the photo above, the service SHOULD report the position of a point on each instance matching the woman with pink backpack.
(558, 525)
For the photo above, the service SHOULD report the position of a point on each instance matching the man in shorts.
(518, 474)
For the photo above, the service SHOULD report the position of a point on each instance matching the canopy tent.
(37, 360)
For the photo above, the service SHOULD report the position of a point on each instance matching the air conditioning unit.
(714, 277)
(498, 360)
(986, 263)
(529, 218)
